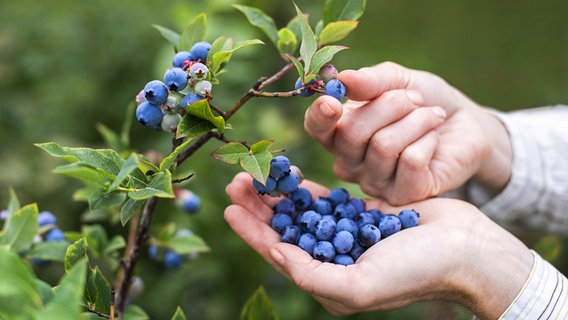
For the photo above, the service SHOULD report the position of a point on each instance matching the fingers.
(321, 118)
(242, 193)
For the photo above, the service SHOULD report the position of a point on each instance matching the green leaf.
(105, 200)
(160, 186)
(66, 302)
(129, 209)
(298, 66)
(257, 163)
(259, 306)
(222, 57)
(202, 110)
(336, 31)
(111, 138)
(336, 10)
(192, 127)
(230, 153)
(309, 43)
(75, 253)
(194, 32)
(323, 56)
(19, 232)
(19, 293)
(168, 34)
(107, 159)
(83, 171)
(116, 243)
(50, 251)
(319, 27)
(188, 244)
(287, 42)
(222, 43)
(261, 20)
(178, 315)
(14, 202)
(97, 291)
(134, 312)
(127, 168)
(167, 163)
(96, 237)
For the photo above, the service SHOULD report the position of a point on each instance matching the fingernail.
(415, 97)
(277, 256)
(441, 113)
(326, 110)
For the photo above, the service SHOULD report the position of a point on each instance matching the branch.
(284, 94)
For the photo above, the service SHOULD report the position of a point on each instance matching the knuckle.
(383, 146)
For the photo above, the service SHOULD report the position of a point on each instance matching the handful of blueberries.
(337, 228)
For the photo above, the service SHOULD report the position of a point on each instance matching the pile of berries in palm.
(161, 104)
(337, 228)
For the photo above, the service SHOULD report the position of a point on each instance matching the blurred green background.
(66, 65)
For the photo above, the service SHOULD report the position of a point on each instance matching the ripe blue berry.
(172, 260)
(198, 71)
(358, 204)
(325, 229)
(346, 224)
(322, 206)
(280, 221)
(389, 224)
(41, 263)
(54, 235)
(343, 241)
(192, 204)
(175, 79)
(170, 122)
(46, 218)
(324, 251)
(337, 196)
(285, 205)
(153, 252)
(363, 218)
(306, 91)
(181, 58)
(156, 92)
(288, 183)
(343, 259)
(335, 89)
(200, 50)
(307, 242)
(264, 188)
(356, 251)
(377, 214)
(302, 198)
(291, 234)
(344, 210)
(189, 99)
(149, 115)
(369, 234)
(279, 167)
(309, 220)
(408, 218)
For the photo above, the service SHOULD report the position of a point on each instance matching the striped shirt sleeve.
(544, 295)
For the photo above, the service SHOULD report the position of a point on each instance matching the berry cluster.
(48, 232)
(327, 84)
(161, 104)
(168, 257)
(337, 228)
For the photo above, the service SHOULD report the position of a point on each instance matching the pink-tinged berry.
(328, 72)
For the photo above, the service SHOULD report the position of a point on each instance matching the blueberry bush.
(123, 187)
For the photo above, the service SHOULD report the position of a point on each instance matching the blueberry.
(408, 218)
(325, 229)
(307, 242)
(359, 204)
(309, 220)
(356, 251)
(343, 259)
(302, 198)
(46, 218)
(172, 260)
(41, 263)
(279, 167)
(189, 99)
(363, 218)
(369, 234)
(280, 221)
(335, 89)
(200, 50)
(291, 234)
(297, 172)
(192, 204)
(170, 122)
(344, 210)
(264, 188)
(328, 72)
(306, 91)
(180, 58)
(153, 252)
(346, 224)
(55, 235)
(198, 71)
(322, 206)
(389, 224)
(285, 205)
(377, 214)
(288, 183)
(343, 241)
(337, 196)
(175, 79)
(149, 115)
(203, 88)
(324, 251)
(156, 92)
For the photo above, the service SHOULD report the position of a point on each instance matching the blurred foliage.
(67, 65)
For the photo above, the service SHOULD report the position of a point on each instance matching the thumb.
(321, 118)
(370, 82)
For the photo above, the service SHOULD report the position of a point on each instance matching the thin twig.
(283, 94)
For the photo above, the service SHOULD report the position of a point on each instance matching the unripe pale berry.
(170, 122)
(203, 88)
(198, 71)
(328, 72)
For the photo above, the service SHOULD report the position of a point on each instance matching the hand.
(454, 254)
(407, 135)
